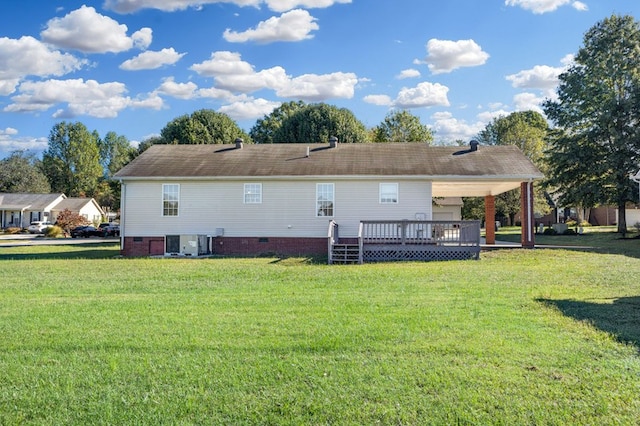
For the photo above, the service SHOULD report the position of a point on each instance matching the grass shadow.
(620, 318)
(94, 251)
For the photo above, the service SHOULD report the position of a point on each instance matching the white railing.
(421, 232)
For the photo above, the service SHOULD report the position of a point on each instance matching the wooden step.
(345, 253)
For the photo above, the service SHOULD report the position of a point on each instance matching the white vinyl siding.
(170, 199)
(287, 208)
(388, 193)
(253, 193)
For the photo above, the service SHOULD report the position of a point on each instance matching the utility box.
(193, 245)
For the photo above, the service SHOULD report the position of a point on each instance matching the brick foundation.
(235, 246)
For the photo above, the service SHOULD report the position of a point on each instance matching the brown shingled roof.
(365, 159)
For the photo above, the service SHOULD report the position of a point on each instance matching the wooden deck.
(381, 241)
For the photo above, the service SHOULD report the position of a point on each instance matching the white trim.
(385, 200)
(162, 214)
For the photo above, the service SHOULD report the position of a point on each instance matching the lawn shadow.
(620, 318)
(67, 253)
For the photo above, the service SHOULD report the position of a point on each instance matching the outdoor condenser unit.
(193, 245)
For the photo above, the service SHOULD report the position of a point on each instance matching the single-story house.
(291, 199)
(20, 209)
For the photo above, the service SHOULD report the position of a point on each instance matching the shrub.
(14, 230)
(550, 231)
(54, 232)
(569, 231)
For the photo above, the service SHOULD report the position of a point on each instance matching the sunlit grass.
(519, 337)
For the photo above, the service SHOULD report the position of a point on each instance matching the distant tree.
(528, 131)
(402, 126)
(202, 127)
(20, 173)
(147, 143)
(525, 129)
(67, 220)
(597, 114)
(318, 122)
(265, 128)
(115, 152)
(72, 160)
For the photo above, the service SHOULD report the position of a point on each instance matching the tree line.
(587, 146)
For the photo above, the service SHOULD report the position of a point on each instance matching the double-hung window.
(170, 199)
(252, 193)
(324, 199)
(388, 193)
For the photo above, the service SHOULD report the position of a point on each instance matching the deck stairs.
(342, 253)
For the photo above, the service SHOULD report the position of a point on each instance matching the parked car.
(84, 232)
(39, 227)
(109, 229)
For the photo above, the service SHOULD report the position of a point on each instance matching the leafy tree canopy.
(20, 173)
(402, 126)
(596, 145)
(202, 127)
(266, 127)
(72, 160)
(315, 123)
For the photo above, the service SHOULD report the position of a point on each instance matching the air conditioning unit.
(193, 245)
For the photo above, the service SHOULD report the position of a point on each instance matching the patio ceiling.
(475, 188)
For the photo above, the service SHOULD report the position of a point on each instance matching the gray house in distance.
(304, 199)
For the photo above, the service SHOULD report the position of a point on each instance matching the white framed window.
(170, 199)
(388, 193)
(324, 199)
(252, 193)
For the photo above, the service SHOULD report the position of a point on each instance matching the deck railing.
(421, 232)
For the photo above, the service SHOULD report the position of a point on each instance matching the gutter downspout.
(123, 194)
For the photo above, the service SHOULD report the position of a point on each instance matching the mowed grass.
(520, 337)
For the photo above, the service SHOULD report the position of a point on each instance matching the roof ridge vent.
(474, 145)
(239, 143)
(333, 142)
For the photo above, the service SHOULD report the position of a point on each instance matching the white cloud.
(233, 74)
(541, 77)
(178, 90)
(423, 95)
(446, 55)
(528, 102)
(130, 6)
(223, 63)
(28, 56)
(314, 87)
(151, 60)
(543, 6)
(382, 100)
(249, 109)
(579, 6)
(448, 129)
(88, 31)
(295, 25)
(408, 73)
(10, 143)
(102, 100)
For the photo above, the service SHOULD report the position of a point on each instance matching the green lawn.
(544, 337)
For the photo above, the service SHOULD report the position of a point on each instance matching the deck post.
(528, 220)
(490, 219)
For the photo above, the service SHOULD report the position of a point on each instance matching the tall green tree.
(265, 128)
(528, 131)
(115, 152)
(20, 173)
(204, 126)
(402, 126)
(72, 160)
(597, 115)
(316, 123)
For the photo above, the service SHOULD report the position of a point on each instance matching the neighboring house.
(19, 210)
(283, 198)
(447, 208)
(85, 207)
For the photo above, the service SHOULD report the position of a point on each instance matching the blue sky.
(131, 66)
